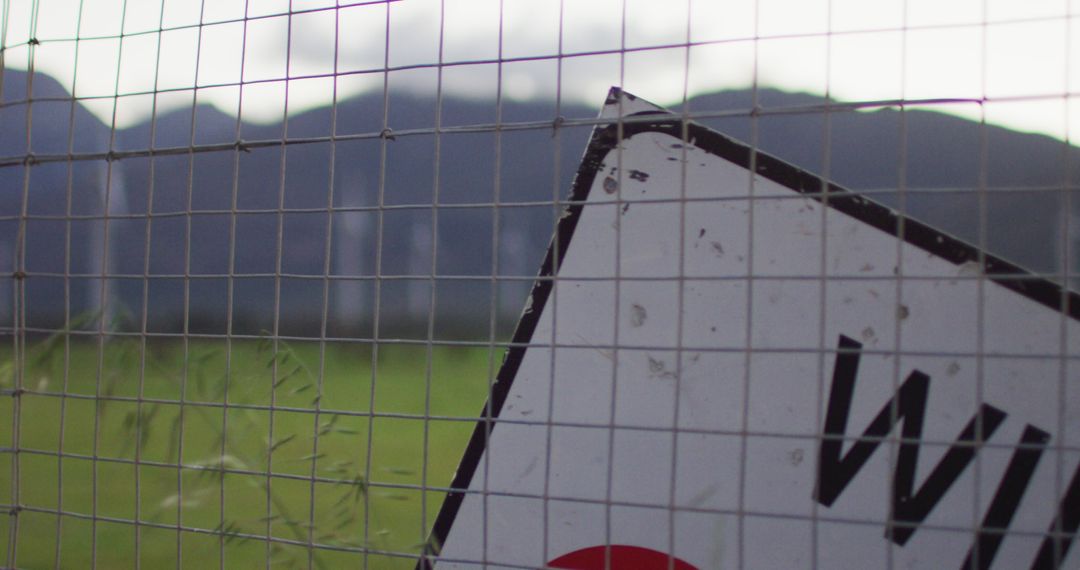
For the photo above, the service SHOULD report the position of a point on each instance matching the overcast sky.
(1022, 57)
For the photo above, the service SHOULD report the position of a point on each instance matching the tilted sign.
(726, 370)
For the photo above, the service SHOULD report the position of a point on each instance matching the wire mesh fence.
(264, 263)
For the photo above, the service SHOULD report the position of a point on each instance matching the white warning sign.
(727, 363)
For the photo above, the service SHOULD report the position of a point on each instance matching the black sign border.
(606, 138)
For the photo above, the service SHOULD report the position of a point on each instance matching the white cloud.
(1025, 55)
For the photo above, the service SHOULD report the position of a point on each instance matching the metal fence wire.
(503, 284)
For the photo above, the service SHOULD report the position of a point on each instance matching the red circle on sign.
(623, 557)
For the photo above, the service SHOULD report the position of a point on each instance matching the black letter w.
(909, 507)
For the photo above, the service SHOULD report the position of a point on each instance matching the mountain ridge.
(297, 196)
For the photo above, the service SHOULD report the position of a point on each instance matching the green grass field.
(184, 439)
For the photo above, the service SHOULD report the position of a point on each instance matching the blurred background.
(259, 260)
(965, 108)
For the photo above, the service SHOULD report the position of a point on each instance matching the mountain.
(173, 216)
